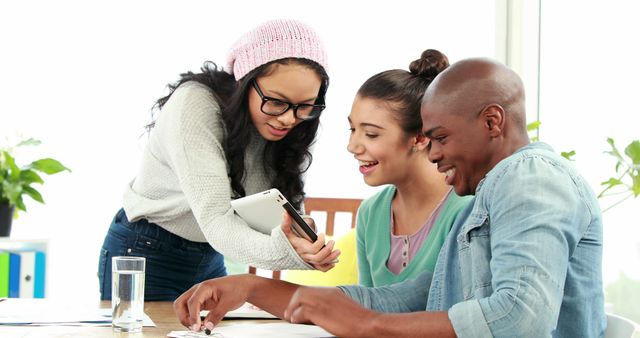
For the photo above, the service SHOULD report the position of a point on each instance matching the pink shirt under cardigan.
(403, 247)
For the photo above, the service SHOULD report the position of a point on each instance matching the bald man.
(523, 260)
(529, 253)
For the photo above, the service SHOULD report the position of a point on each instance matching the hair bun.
(430, 64)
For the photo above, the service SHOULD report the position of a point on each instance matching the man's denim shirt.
(523, 260)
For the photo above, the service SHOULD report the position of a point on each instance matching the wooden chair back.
(332, 206)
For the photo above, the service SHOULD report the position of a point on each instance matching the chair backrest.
(330, 206)
(619, 327)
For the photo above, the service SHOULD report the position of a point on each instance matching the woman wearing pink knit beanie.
(222, 134)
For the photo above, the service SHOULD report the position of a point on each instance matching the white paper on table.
(275, 330)
(28, 311)
(247, 310)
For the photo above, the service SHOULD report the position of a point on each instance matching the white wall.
(81, 76)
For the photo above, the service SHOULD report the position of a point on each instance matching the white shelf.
(8, 244)
(23, 244)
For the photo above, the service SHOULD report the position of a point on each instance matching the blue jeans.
(173, 264)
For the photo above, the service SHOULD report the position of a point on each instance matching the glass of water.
(127, 293)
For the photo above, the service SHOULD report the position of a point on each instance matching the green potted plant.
(626, 183)
(15, 182)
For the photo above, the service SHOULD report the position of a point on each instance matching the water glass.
(127, 293)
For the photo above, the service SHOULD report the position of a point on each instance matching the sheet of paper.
(245, 311)
(275, 330)
(28, 311)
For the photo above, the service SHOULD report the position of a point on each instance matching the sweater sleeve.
(407, 296)
(192, 149)
(364, 272)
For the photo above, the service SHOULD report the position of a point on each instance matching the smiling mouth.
(449, 175)
(279, 128)
(366, 167)
(278, 131)
(450, 172)
(367, 164)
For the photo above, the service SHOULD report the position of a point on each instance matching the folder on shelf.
(14, 275)
(27, 273)
(39, 277)
(4, 274)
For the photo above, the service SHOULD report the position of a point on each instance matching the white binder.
(27, 273)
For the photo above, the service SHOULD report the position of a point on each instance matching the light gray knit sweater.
(183, 184)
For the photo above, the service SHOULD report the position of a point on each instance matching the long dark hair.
(289, 158)
(404, 89)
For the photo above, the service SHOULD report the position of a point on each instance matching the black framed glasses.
(275, 107)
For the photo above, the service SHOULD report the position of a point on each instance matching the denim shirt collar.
(505, 161)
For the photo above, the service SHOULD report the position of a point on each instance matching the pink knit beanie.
(273, 40)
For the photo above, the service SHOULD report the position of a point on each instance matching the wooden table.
(160, 312)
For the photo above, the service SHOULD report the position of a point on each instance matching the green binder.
(4, 274)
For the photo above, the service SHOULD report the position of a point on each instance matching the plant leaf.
(568, 155)
(635, 188)
(614, 150)
(20, 204)
(612, 182)
(633, 151)
(4, 196)
(48, 166)
(28, 142)
(535, 125)
(11, 191)
(33, 193)
(29, 176)
(10, 165)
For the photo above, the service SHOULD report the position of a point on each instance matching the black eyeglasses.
(276, 107)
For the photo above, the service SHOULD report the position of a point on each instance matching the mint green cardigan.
(374, 238)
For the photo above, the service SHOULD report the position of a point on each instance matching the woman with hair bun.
(401, 228)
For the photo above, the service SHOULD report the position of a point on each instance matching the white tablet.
(263, 212)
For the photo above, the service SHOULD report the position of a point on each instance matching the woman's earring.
(414, 149)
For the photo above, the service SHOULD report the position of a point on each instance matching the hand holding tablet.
(263, 212)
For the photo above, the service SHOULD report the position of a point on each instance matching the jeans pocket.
(104, 274)
(144, 244)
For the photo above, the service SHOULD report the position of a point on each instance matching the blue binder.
(39, 278)
(14, 275)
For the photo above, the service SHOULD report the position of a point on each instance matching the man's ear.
(494, 119)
